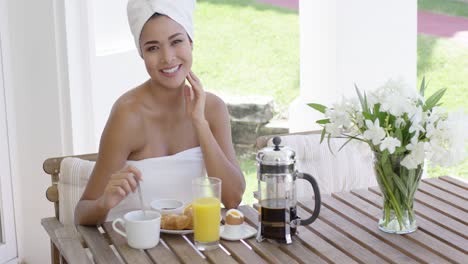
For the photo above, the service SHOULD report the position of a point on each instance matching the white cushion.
(73, 177)
(349, 168)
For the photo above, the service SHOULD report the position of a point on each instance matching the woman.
(162, 133)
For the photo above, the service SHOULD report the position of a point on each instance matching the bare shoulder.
(126, 111)
(125, 121)
(216, 113)
(214, 104)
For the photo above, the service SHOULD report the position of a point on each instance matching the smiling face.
(167, 51)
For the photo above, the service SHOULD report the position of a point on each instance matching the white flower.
(374, 132)
(400, 122)
(416, 156)
(390, 143)
(333, 129)
(447, 139)
(394, 104)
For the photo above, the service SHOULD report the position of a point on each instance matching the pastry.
(234, 217)
(188, 211)
(175, 222)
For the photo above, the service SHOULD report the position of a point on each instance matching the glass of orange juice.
(206, 208)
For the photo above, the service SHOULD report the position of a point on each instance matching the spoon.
(142, 204)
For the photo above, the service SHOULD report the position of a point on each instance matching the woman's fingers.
(125, 185)
(195, 82)
(134, 170)
(118, 191)
(132, 180)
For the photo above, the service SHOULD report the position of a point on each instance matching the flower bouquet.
(403, 129)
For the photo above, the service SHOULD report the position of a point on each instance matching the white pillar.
(346, 42)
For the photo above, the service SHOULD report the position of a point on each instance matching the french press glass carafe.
(277, 176)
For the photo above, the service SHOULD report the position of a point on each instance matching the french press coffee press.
(277, 177)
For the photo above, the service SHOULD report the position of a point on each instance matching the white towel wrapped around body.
(163, 177)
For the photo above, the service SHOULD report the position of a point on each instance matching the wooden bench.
(66, 245)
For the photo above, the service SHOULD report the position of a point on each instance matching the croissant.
(188, 212)
(175, 222)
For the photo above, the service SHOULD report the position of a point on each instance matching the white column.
(343, 43)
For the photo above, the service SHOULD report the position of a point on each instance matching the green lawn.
(449, 7)
(444, 63)
(245, 48)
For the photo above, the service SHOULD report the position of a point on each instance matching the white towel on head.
(139, 11)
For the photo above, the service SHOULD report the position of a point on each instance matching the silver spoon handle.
(140, 195)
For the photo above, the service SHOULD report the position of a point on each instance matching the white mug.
(141, 231)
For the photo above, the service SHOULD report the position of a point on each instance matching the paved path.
(428, 23)
(443, 26)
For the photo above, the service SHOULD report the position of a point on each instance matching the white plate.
(177, 232)
(245, 232)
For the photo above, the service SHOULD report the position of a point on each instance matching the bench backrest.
(51, 166)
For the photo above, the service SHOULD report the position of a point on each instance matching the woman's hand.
(195, 105)
(119, 186)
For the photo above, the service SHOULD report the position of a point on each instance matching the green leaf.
(347, 141)
(368, 116)
(434, 99)
(318, 107)
(323, 121)
(365, 104)
(422, 89)
(329, 146)
(322, 136)
(400, 185)
(376, 109)
(399, 150)
(399, 135)
(362, 99)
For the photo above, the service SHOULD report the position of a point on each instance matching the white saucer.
(177, 232)
(246, 231)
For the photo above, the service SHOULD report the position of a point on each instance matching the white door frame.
(8, 242)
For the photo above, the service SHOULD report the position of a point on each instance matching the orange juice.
(206, 218)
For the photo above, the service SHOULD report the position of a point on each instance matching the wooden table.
(345, 232)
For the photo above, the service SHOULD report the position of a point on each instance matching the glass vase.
(398, 186)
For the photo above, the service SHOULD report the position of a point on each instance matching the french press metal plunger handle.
(317, 199)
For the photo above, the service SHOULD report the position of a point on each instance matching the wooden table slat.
(182, 249)
(455, 181)
(70, 248)
(267, 250)
(299, 252)
(443, 196)
(160, 254)
(345, 232)
(411, 249)
(448, 187)
(98, 245)
(322, 249)
(367, 240)
(216, 255)
(442, 207)
(340, 240)
(242, 253)
(423, 238)
(129, 254)
(431, 228)
(436, 217)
